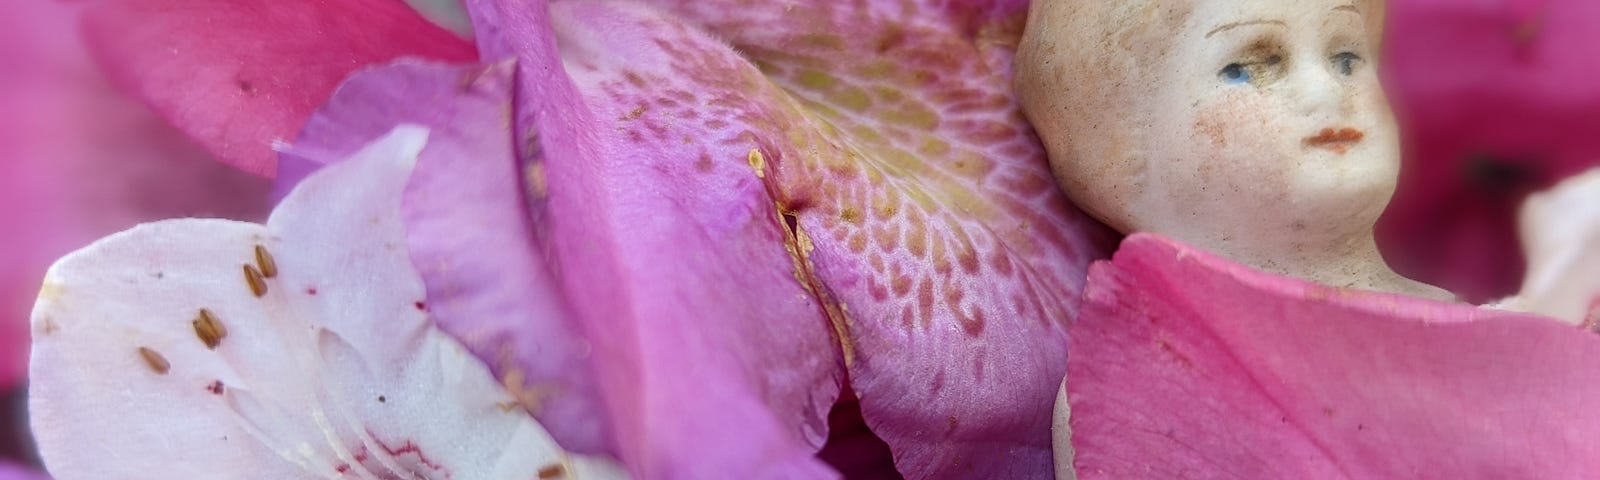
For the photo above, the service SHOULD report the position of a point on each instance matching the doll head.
(1253, 128)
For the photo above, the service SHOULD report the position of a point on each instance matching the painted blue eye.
(1345, 63)
(1234, 73)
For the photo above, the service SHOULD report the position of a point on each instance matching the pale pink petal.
(328, 368)
(1184, 365)
(469, 232)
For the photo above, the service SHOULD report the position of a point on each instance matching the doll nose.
(1323, 95)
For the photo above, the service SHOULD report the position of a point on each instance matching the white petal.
(1560, 231)
(335, 371)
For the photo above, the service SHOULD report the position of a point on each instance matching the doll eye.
(1346, 62)
(1234, 74)
(1246, 72)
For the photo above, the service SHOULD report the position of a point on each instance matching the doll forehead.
(1274, 12)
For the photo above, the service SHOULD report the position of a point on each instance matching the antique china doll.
(1257, 130)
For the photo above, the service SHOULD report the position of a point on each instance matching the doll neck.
(1350, 262)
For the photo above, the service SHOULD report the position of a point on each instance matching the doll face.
(1268, 124)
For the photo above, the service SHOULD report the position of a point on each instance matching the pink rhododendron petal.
(1496, 100)
(158, 355)
(925, 212)
(82, 161)
(242, 75)
(720, 362)
(488, 283)
(1187, 365)
(1561, 232)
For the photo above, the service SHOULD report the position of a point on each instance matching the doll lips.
(1337, 140)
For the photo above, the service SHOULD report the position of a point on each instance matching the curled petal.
(719, 359)
(1561, 232)
(489, 282)
(1184, 364)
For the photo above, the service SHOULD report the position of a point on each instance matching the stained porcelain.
(1256, 129)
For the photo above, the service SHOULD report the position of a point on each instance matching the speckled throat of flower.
(875, 143)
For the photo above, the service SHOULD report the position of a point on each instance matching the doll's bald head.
(1086, 74)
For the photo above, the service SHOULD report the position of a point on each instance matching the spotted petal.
(915, 205)
(719, 361)
(213, 348)
(1185, 365)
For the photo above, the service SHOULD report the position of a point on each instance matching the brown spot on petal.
(252, 277)
(48, 326)
(154, 360)
(215, 387)
(209, 329)
(1591, 322)
(757, 163)
(533, 178)
(553, 471)
(635, 113)
(269, 267)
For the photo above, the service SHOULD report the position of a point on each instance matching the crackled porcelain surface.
(1254, 129)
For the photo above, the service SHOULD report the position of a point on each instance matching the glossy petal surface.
(240, 76)
(876, 145)
(1188, 366)
(158, 355)
(471, 238)
(1496, 100)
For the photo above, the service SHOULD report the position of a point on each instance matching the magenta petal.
(1184, 364)
(714, 361)
(239, 76)
(488, 282)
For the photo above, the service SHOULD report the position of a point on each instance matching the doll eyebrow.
(1228, 26)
